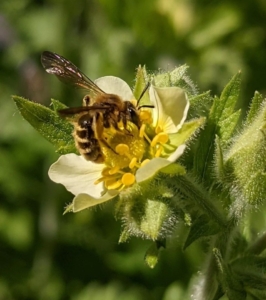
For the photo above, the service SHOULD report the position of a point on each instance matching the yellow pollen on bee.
(161, 137)
(128, 179)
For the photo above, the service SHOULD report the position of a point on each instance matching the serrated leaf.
(185, 133)
(228, 127)
(201, 227)
(57, 105)
(255, 106)
(218, 159)
(221, 111)
(225, 105)
(140, 84)
(48, 124)
(200, 105)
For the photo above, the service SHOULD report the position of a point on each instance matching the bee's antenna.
(143, 92)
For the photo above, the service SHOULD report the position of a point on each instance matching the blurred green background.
(44, 255)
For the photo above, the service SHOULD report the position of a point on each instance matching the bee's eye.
(134, 117)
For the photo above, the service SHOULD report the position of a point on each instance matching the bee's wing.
(72, 111)
(67, 72)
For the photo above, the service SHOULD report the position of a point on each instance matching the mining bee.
(100, 110)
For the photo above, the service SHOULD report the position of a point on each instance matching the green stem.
(193, 191)
(258, 246)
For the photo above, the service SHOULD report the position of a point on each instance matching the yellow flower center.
(129, 149)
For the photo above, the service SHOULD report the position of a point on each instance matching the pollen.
(128, 149)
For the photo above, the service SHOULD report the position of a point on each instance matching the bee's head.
(133, 114)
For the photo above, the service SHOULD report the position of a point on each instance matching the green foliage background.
(44, 255)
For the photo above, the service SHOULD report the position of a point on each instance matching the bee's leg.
(99, 130)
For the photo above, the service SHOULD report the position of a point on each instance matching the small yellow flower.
(138, 155)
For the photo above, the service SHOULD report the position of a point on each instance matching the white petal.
(83, 201)
(77, 175)
(115, 85)
(150, 168)
(178, 152)
(171, 107)
(153, 166)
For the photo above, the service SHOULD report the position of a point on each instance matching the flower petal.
(115, 85)
(153, 166)
(178, 152)
(77, 174)
(171, 107)
(150, 168)
(83, 201)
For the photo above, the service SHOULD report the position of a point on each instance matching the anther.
(159, 138)
(145, 116)
(128, 179)
(114, 170)
(145, 162)
(112, 184)
(122, 149)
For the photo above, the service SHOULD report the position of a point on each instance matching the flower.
(133, 156)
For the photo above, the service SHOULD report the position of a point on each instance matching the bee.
(100, 110)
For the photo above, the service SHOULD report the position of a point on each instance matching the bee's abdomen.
(88, 145)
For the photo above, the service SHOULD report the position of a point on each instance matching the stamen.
(122, 149)
(159, 138)
(133, 163)
(114, 170)
(145, 116)
(158, 129)
(159, 151)
(142, 130)
(128, 179)
(113, 184)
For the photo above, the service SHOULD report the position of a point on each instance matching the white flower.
(138, 156)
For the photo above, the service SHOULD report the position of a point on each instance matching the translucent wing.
(67, 72)
(71, 111)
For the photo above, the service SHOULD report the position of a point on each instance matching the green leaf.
(219, 160)
(140, 84)
(227, 127)
(57, 105)
(201, 227)
(254, 107)
(48, 124)
(152, 254)
(200, 105)
(174, 168)
(221, 114)
(188, 130)
(225, 105)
